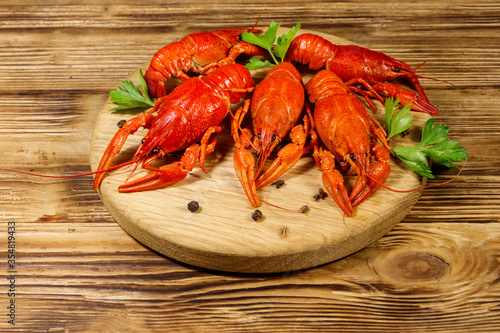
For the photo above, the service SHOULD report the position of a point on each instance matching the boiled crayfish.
(197, 52)
(276, 106)
(192, 112)
(352, 63)
(355, 142)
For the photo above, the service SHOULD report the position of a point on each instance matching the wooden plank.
(418, 277)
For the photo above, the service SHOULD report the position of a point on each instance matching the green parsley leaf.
(401, 121)
(432, 135)
(433, 145)
(420, 168)
(414, 158)
(128, 96)
(256, 63)
(266, 41)
(284, 41)
(445, 152)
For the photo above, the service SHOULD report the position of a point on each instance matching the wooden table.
(76, 270)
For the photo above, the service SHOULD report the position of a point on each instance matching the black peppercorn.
(121, 123)
(193, 206)
(256, 215)
(320, 195)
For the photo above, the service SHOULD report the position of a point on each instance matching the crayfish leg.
(370, 92)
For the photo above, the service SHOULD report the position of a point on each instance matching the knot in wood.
(414, 267)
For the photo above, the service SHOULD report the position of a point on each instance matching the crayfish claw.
(423, 105)
(244, 165)
(333, 180)
(165, 175)
(374, 177)
(116, 144)
(334, 183)
(288, 156)
(418, 103)
(246, 175)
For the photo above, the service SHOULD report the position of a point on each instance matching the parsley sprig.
(266, 41)
(130, 97)
(433, 145)
(399, 122)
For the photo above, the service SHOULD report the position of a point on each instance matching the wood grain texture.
(418, 277)
(437, 271)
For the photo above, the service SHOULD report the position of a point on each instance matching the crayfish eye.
(155, 151)
(352, 157)
(273, 138)
(258, 136)
(396, 69)
(143, 140)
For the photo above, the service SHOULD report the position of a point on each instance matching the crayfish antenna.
(98, 172)
(69, 176)
(422, 187)
(255, 24)
(279, 207)
(429, 78)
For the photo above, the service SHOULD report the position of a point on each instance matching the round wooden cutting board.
(222, 235)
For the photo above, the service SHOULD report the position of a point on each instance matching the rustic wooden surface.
(78, 271)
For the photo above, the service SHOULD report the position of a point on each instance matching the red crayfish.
(197, 52)
(192, 112)
(353, 63)
(276, 106)
(355, 142)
